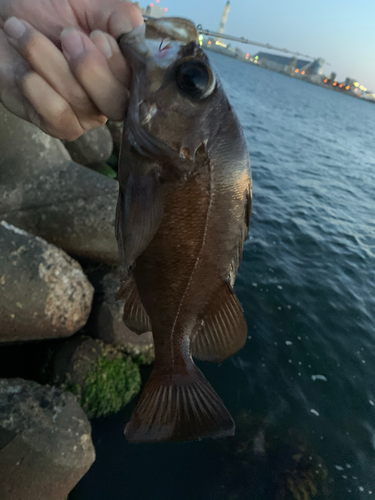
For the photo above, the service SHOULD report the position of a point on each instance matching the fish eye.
(195, 79)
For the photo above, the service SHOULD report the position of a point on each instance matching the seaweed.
(109, 385)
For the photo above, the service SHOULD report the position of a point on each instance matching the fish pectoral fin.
(179, 407)
(223, 331)
(135, 316)
(140, 209)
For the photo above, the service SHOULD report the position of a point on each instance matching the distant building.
(291, 68)
(314, 67)
(241, 55)
(349, 81)
(216, 45)
(279, 63)
(368, 96)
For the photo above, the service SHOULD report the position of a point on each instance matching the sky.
(340, 31)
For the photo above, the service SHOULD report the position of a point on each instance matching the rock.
(116, 129)
(45, 441)
(263, 460)
(106, 322)
(44, 293)
(44, 192)
(93, 148)
(103, 378)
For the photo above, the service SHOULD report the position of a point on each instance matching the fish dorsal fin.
(179, 407)
(135, 316)
(223, 331)
(140, 208)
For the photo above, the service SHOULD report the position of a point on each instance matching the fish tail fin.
(179, 407)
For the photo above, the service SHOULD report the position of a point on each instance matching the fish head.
(176, 97)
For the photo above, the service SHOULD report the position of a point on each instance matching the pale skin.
(60, 65)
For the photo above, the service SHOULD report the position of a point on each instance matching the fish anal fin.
(140, 209)
(175, 407)
(223, 330)
(135, 316)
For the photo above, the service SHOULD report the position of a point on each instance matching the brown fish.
(182, 219)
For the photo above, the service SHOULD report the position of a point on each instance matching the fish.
(183, 214)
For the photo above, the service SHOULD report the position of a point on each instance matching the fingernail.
(71, 42)
(102, 42)
(14, 28)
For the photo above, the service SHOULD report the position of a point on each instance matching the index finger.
(49, 62)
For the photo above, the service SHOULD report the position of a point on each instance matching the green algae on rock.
(102, 377)
(109, 386)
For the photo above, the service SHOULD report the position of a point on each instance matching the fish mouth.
(176, 29)
(157, 42)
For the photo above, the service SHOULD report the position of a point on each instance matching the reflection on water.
(306, 378)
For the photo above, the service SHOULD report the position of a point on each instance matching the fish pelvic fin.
(179, 407)
(223, 330)
(135, 316)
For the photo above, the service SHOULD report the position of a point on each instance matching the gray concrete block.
(44, 192)
(45, 441)
(44, 292)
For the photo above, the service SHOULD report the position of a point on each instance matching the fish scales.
(182, 218)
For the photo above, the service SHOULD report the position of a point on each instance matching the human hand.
(60, 65)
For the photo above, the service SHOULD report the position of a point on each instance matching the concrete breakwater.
(59, 322)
